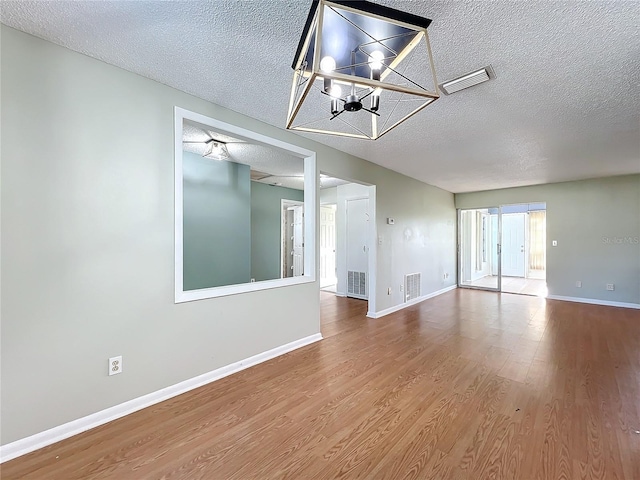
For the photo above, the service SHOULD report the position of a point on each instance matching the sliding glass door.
(479, 255)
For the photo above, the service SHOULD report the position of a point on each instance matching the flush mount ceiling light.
(212, 145)
(468, 80)
(216, 150)
(360, 70)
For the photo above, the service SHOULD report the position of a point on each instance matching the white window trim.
(310, 193)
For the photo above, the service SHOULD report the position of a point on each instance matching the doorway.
(357, 251)
(503, 248)
(347, 238)
(478, 248)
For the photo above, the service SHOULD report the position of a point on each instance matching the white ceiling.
(268, 165)
(564, 106)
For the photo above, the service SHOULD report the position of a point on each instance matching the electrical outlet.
(401, 288)
(578, 284)
(389, 291)
(610, 287)
(115, 365)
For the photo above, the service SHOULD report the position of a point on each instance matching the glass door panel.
(479, 249)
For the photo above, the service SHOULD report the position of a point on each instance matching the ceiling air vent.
(468, 80)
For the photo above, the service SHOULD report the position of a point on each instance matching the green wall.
(597, 226)
(88, 241)
(265, 228)
(217, 222)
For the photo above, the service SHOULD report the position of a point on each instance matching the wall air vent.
(356, 284)
(468, 80)
(411, 286)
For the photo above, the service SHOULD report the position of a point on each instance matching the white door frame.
(372, 240)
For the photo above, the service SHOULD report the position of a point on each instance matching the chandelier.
(360, 70)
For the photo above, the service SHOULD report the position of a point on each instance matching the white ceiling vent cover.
(468, 80)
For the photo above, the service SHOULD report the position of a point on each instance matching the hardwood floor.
(467, 385)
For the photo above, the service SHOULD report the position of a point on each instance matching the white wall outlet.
(578, 284)
(115, 365)
(401, 288)
(610, 287)
(389, 291)
(554, 243)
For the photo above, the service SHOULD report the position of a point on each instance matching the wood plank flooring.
(467, 385)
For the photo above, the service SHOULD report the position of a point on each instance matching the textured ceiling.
(564, 105)
(268, 165)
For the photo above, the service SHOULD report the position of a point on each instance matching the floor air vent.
(411, 286)
(357, 283)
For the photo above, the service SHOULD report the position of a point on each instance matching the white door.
(513, 243)
(327, 246)
(357, 248)
(298, 240)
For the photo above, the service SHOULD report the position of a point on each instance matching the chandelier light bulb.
(376, 60)
(336, 93)
(327, 64)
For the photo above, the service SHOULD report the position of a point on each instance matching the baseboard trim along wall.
(593, 301)
(66, 430)
(395, 308)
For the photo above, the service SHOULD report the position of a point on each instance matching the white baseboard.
(395, 308)
(66, 430)
(593, 301)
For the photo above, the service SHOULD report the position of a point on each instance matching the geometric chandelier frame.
(360, 70)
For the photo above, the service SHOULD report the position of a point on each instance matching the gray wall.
(88, 241)
(217, 236)
(597, 226)
(266, 228)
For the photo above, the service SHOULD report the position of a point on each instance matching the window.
(229, 187)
